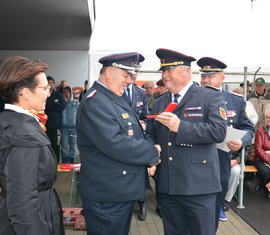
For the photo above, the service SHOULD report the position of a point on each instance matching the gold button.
(204, 161)
(169, 144)
(170, 158)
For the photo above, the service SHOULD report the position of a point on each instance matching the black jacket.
(28, 203)
(54, 106)
(2, 104)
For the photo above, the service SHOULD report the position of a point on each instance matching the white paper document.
(232, 134)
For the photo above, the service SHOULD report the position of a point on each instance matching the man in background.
(55, 104)
(212, 75)
(260, 99)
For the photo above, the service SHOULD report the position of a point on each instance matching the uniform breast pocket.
(201, 159)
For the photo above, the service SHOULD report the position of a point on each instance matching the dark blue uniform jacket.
(237, 119)
(189, 158)
(113, 148)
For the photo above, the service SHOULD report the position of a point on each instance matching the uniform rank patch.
(125, 115)
(222, 113)
(91, 94)
(130, 132)
(139, 103)
(231, 113)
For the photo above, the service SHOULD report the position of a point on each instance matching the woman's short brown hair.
(17, 73)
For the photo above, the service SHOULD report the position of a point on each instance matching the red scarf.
(42, 118)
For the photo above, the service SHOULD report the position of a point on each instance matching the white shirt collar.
(19, 110)
(184, 91)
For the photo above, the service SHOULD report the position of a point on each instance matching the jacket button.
(124, 172)
(169, 144)
(170, 158)
(204, 161)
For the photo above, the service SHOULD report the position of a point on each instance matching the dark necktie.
(128, 95)
(175, 98)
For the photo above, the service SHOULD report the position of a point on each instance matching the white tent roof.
(225, 29)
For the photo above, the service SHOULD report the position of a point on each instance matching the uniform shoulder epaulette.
(236, 94)
(213, 88)
(91, 94)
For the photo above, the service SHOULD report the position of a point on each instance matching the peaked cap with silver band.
(170, 59)
(127, 61)
(210, 65)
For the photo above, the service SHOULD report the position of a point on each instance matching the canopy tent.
(225, 29)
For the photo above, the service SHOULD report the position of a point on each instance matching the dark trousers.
(225, 169)
(52, 134)
(264, 171)
(188, 215)
(104, 218)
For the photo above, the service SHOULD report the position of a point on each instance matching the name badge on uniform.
(56, 100)
(139, 103)
(125, 115)
(231, 113)
(193, 108)
(193, 114)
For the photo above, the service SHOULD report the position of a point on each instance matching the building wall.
(63, 65)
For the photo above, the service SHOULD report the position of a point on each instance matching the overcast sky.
(225, 29)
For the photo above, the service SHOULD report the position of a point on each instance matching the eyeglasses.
(45, 88)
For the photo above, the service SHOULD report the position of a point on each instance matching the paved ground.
(153, 224)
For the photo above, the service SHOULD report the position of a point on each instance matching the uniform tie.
(175, 98)
(128, 95)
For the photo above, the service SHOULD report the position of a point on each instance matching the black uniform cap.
(126, 61)
(210, 65)
(170, 59)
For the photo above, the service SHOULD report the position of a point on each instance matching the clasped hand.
(152, 170)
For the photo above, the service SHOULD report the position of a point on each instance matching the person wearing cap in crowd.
(260, 99)
(55, 104)
(188, 176)
(136, 97)
(212, 75)
(114, 149)
(249, 85)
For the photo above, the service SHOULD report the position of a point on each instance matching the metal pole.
(242, 164)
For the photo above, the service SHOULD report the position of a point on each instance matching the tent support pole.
(242, 164)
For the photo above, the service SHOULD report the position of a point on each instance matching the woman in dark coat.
(262, 150)
(28, 203)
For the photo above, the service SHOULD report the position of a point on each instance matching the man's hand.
(235, 145)
(169, 120)
(268, 186)
(155, 164)
(152, 170)
(158, 147)
(233, 162)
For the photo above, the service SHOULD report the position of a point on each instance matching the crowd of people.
(124, 137)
